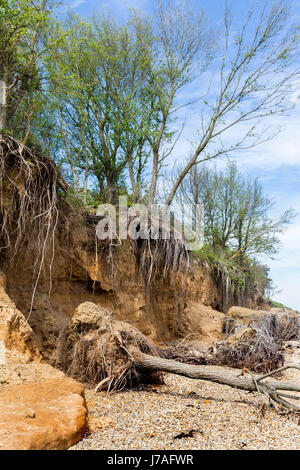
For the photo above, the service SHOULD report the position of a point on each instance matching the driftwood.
(272, 389)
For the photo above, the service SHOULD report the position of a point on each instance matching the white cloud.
(77, 3)
(121, 7)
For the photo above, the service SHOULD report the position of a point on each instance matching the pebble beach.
(184, 414)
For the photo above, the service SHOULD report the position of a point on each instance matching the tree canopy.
(237, 213)
(106, 101)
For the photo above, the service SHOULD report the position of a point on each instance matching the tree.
(118, 90)
(114, 88)
(21, 24)
(236, 212)
(255, 78)
(182, 52)
(99, 76)
(272, 389)
(256, 232)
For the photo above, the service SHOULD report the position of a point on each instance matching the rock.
(283, 312)
(245, 315)
(15, 331)
(96, 424)
(57, 421)
(197, 319)
(23, 373)
(88, 316)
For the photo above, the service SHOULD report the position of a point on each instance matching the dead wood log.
(272, 389)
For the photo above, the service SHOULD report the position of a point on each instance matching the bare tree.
(255, 78)
(184, 46)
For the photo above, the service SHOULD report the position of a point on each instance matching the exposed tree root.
(94, 349)
(161, 257)
(28, 204)
(259, 347)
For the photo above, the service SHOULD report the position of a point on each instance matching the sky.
(276, 163)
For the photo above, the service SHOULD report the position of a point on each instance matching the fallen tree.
(274, 390)
(97, 349)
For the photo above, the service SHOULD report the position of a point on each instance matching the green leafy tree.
(238, 222)
(116, 92)
(22, 23)
(99, 83)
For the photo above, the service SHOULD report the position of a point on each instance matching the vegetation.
(102, 98)
(236, 212)
(279, 305)
(237, 223)
(22, 24)
(105, 101)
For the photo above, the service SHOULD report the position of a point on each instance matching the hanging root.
(161, 257)
(236, 286)
(28, 204)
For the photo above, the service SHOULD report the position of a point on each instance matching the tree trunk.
(86, 175)
(221, 376)
(134, 183)
(2, 105)
(112, 193)
(153, 184)
(86, 164)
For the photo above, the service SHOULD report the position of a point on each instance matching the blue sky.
(276, 163)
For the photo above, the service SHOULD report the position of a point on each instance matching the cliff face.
(163, 310)
(72, 267)
(166, 309)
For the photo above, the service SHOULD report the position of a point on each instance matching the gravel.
(160, 417)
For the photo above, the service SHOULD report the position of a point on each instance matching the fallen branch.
(272, 389)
